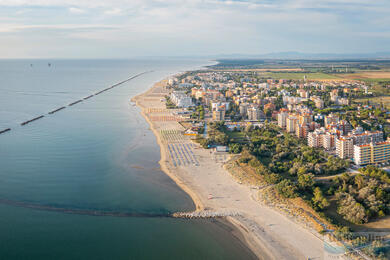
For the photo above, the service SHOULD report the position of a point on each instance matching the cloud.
(206, 26)
(75, 10)
(9, 28)
(114, 11)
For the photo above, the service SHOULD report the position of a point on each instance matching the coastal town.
(195, 130)
(319, 141)
(304, 109)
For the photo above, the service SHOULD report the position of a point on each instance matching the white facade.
(180, 99)
(344, 147)
(282, 117)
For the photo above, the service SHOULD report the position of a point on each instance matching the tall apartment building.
(255, 114)
(219, 113)
(282, 118)
(315, 139)
(291, 122)
(373, 153)
(368, 137)
(302, 130)
(329, 141)
(344, 147)
(243, 109)
(305, 118)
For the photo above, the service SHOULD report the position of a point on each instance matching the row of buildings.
(362, 147)
(241, 96)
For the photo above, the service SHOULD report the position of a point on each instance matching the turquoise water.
(98, 155)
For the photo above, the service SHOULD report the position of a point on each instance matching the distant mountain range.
(303, 55)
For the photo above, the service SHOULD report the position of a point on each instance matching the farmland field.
(367, 75)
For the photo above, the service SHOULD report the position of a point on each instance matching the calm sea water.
(98, 155)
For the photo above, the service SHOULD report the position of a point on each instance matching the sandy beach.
(201, 173)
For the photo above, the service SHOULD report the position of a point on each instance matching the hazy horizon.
(130, 29)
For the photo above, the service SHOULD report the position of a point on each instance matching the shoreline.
(164, 157)
(241, 233)
(266, 233)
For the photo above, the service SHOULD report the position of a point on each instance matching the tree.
(222, 138)
(201, 115)
(350, 209)
(318, 199)
(287, 189)
(235, 148)
(305, 181)
(205, 143)
(272, 178)
(359, 181)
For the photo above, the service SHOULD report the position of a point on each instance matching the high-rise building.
(291, 122)
(373, 153)
(255, 114)
(329, 141)
(219, 113)
(301, 130)
(344, 147)
(305, 118)
(282, 117)
(315, 139)
(243, 109)
(367, 137)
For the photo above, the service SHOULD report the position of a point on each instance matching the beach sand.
(267, 232)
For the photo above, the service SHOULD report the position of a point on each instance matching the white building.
(181, 99)
(373, 153)
(315, 139)
(344, 147)
(291, 123)
(282, 118)
(255, 114)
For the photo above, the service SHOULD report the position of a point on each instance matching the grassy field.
(238, 137)
(299, 75)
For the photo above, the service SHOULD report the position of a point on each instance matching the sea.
(84, 182)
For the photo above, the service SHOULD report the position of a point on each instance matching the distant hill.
(303, 55)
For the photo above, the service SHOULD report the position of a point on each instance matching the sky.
(134, 28)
